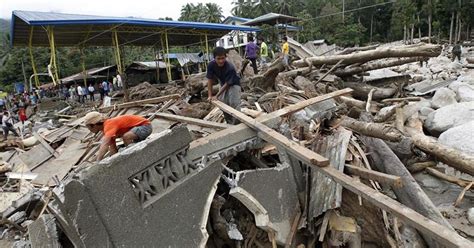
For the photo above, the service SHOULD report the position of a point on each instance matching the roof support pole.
(207, 47)
(52, 67)
(33, 63)
(83, 64)
(168, 68)
(118, 61)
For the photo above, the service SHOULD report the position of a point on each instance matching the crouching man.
(132, 129)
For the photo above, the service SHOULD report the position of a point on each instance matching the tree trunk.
(430, 16)
(405, 34)
(411, 193)
(459, 160)
(377, 130)
(419, 26)
(451, 29)
(374, 65)
(371, 27)
(412, 33)
(425, 50)
(361, 91)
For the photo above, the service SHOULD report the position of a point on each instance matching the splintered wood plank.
(394, 181)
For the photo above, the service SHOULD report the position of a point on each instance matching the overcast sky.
(120, 8)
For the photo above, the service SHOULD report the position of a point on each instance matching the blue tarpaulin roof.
(90, 30)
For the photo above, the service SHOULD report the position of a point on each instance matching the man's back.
(116, 127)
(251, 50)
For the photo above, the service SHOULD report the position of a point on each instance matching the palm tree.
(245, 8)
(187, 12)
(213, 13)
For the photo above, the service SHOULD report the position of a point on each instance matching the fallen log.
(459, 160)
(385, 132)
(358, 49)
(448, 178)
(382, 117)
(349, 101)
(420, 166)
(266, 81)
(362, 90)
(411, 193)
(425, 50)
(374, 65)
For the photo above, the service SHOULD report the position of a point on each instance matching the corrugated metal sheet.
(272, 19)
(325, 193)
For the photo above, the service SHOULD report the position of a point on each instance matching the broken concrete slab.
(450, 116)
(43, 232)
(271, 195)
(143, 196)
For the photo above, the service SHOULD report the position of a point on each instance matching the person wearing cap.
(131, 128)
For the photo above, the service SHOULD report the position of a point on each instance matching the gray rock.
(443, 97)
(470, 215)
(303, 83)
(414, 107)
(464, 91)
(450, 116)
(425, 111)
(459, 137)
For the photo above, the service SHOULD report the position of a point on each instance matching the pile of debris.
(369, 146)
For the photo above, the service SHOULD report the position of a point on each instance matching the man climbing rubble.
(224, 72)
(131, 128)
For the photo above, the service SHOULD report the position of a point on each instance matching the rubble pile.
(360, 147)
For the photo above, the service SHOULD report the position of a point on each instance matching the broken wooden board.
(35, 157)
(409, 216)
(138, 103)
(380, 177)
(190, 120)
(69, 153)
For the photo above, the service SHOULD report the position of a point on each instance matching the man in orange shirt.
(132, 128)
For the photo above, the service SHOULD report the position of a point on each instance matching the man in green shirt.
(263, 51)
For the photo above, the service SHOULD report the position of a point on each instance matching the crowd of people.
(13, 109)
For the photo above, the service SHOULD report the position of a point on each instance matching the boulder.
(470, 215)
(464, 91)
(425, 111)
(414, 107)
(450, 116)
(459, 137)
(443, 97)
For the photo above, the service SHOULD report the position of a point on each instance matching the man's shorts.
(142, 132)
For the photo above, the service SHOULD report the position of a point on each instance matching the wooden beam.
(275, 137)
(380, 177)
(141, 102)
(193, 121)
(409, 216)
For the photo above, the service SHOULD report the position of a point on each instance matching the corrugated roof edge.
(136, 21)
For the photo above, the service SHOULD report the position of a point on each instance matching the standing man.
(91, 92)
(80, 93)
(456, 52)
(250, 54)
(7, 125)
(263, 51)
(220, 70)
(119, 81)
(131, 128)
(105, 86)
(114, 83)
(285, 51)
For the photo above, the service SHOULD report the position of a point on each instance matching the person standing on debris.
(80, 93)
(119, 81)
(263, 51)
(285, 51)
(105, 86)
(132, 129)
(91, 92)
(7, 125)
(114, 83)
(220, 70)
(250, 55)
(456, 52)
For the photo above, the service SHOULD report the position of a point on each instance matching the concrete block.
(148, 195)
(271, 195)
(43, 232)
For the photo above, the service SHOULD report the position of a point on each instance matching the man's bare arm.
(104, 148)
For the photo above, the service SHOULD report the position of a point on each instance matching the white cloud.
(120, 8)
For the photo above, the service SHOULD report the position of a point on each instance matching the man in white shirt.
(80, 93)
(119, 81)
(7, 125)
(91, 92)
